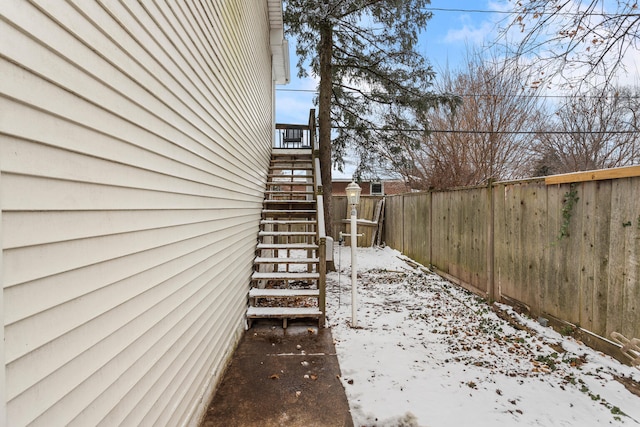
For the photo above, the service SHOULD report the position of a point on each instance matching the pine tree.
(372, 77)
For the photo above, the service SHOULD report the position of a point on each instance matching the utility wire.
(527, 12)
(486, 95)
(498, 132)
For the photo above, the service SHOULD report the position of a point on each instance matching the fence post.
(430, 228)
(403, 250)
(491, 292)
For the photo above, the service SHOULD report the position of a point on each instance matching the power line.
(487, 95)
(488, 132)
(528, 12)
(447, 9)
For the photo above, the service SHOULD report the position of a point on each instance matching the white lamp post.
(353, 196)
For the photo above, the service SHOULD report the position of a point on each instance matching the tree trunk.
(324, 120)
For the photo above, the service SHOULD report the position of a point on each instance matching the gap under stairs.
(286, 279)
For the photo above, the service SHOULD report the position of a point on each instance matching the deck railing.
(296, 136)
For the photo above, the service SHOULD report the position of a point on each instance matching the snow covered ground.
(427, 353)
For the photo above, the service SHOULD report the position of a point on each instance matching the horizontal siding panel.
(99, 78)
(39, 295)
(183, 372)
(230, 70)
(166, 46)
(49, 98)
(35, 194)
(55, 313)
(135, 139)
(111, 356)
(44, 227)
(144, 152)
(167, 374)
(37, 160)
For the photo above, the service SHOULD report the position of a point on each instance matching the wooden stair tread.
(295, 159)
(282, 293)
(273, 177)
(284, 275)
(287, 233)
(288, 222)
(282, 260)
(287, 192)
(298, 213)
(286, 179)
(289, 211)
(279, 312)
(310, 246)
(289, 201)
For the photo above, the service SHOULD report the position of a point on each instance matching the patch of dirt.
(629, 384)
(519, 326)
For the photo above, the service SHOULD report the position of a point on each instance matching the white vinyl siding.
(135, 139)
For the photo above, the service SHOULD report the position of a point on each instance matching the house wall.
(135, 139)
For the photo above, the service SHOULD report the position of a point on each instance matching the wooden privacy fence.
(566, 247)
(366, 211)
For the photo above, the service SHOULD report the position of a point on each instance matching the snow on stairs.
(285, 282)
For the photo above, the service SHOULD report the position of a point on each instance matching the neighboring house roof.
(279, 45)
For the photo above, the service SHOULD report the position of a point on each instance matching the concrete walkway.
(281, 377)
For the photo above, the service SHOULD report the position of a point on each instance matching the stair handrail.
(320, 229)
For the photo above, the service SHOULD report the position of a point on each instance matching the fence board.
(531, 206)
(617, 250)
(588, 276)
(570, 290)
(506, 242)
(601, 242)
(551, 290)
(338, 208)
(588, 256)
(625, 234)
(393, 222)
(418, 213)
(366, 210)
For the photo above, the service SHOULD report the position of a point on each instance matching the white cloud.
(470, 32)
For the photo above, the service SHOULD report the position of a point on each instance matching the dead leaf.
(274, 377)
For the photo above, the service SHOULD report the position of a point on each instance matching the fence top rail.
(567, 178)
(594, 175)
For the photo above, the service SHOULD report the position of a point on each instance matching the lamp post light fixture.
(353, 197)
(353, 193)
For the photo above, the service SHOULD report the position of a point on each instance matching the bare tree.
(597, 130)
(486, 137)
(574, 39)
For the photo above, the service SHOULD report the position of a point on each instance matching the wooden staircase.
(288, 281)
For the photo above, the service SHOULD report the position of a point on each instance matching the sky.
(428, 353)
(450, 34)
(444, 43)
